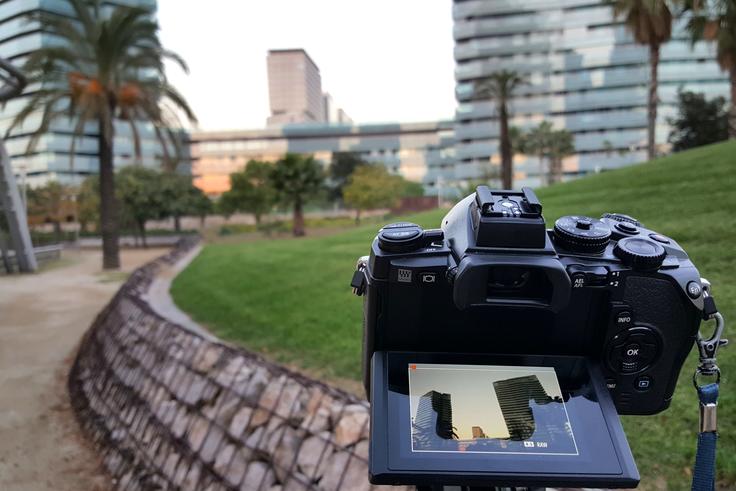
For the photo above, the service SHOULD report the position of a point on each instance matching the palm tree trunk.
(177, 223)
(506, 164)
(652, 102)
(543, 179)
(357, 216)
(732, 112)
(298, 228)
(108, 205)
(142, 231)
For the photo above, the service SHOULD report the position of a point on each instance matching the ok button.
(631, 351)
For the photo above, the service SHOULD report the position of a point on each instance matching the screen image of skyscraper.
(529, 412)
(585, 73)
(50, 161)
(432, 426)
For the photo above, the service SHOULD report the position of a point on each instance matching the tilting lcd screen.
(488, 409)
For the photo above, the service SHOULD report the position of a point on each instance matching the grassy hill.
(290, 298)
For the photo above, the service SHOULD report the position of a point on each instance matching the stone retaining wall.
(171, 410)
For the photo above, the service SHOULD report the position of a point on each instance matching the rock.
(231, 464)
(345, 474)
(352, 426)
(199, 389)
(313, 455)
(318, 406)
(191, 481)
(180, 423)
(260, 417)
(284, 453)
(258, 476)
(207, 358)
(361, 449)
(240, 421)
(292, 402)
(235, 375)
(197, 432)
(254, 441)
(170, 465)
(297, 482)
(166, 411)
(270, 395)
(257, 383)
(211, 443)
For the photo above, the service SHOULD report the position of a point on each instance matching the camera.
(545, 336)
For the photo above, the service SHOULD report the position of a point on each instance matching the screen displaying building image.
(488, 409)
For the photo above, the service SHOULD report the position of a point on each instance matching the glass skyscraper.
(51, 160)
(585, 74)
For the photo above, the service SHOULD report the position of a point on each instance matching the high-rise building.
(432, 425)
(19, 37)
(585, 74)
(294, 88)
(514, 396)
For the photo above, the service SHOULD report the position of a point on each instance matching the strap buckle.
(708, 347)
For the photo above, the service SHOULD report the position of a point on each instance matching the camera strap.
(704, 472)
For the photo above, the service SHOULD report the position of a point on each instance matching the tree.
(715, 20)
(562, 145)
(297, 179)
(88, 203)
(341, 168)
(51, 203)
(371, 187)
(182, 198)
(538, 141)
(139, 192)
(108, 64)
(251, 190)
(499, 87)
(650, 23)
(608, 148)
(699, 121)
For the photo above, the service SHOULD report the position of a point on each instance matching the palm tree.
(499, 87)
(110, 64)
(538, 142)
(561, 145)
(297, 178)
(715, 20)
(650, 22)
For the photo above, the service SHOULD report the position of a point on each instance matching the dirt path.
(42, 318)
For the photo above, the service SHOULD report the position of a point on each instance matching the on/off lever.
(407, 237)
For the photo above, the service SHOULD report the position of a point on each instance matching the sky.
(382, 61)
(474, 402)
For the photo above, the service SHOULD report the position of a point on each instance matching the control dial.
(581, 233)
(640, 253)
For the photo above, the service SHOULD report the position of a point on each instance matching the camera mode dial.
(620, 217)
(581, 233)
(640, 253)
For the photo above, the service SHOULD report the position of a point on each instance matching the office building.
(51, 159)
(294, 88)
(585, 74)
(432, 424)
(514, 396)
(420, 152)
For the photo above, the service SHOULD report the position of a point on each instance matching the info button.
(623, 318)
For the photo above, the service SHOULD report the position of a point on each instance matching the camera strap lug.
(704, 472)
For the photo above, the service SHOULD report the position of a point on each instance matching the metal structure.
(13, 83)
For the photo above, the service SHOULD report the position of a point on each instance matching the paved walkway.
(42, 318)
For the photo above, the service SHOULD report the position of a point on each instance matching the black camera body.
(493, 279)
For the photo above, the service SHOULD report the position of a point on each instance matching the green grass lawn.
(290, 298)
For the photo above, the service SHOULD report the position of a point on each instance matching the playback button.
(643, 383)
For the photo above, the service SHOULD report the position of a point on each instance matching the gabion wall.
(171, 410)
